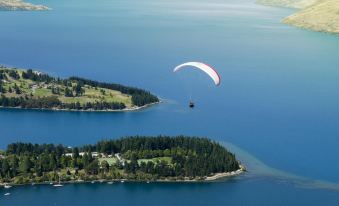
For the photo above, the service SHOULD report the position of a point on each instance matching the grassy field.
(110, 160)
(155, 160)
(38, 90)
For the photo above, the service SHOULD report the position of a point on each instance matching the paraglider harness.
(191, 104)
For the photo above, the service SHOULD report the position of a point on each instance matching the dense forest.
(134, 158)
(31, 89)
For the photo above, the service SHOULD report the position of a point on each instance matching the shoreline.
(226, 174)
(207, 179)
(131, 109)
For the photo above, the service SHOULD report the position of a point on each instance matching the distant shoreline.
(19, 5)
(131, 109)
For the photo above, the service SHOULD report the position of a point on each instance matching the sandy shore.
(226, 174)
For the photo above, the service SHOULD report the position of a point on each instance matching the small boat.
(122, 181)
(6, 194)
(109, 183)
(59, 184)
(147, 182)
(6, 186)
(92, 182)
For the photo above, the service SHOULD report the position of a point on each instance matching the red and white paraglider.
(210, 71)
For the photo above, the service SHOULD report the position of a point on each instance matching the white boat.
(6, 186)
(6, 194)
(59, 184)
(122, 181)
(109, 183)
(92, 182)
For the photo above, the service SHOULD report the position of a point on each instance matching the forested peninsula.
(138, 158)
(28, 89)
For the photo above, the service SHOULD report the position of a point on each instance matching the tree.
(77, 105)
(105, 166)
(75, 153)
(92, 168)
(52, 162)
(5, 167)
(68, 92)
(25, 165)
(2, 88)
(17, 89)
(78, 90)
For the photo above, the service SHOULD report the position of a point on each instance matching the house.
(69, 154)
(95, 154)
(37, 72)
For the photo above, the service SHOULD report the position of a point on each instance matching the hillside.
(15, 5)
(316, 15)
(33, 89)
(322, 16)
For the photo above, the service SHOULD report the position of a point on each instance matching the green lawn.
(155, 160)
(110, 160)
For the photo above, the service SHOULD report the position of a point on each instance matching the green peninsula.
(137, 158)
(28, 89)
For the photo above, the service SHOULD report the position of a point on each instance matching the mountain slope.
(322, 16)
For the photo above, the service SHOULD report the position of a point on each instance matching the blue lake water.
(278, 101)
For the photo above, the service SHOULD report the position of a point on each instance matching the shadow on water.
(258, 169)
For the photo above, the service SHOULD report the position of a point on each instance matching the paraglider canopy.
(203, 67)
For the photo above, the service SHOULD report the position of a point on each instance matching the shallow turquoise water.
(278, 99)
